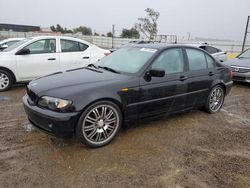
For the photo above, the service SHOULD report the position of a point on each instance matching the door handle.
(210, 73)
(183, 78)
(52, 59)
(85, 57)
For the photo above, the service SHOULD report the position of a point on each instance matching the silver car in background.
(218, 54)
(240, 67)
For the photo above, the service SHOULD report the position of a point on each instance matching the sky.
(218, 19)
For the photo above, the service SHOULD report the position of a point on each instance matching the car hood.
(84, 76)
(244, 62)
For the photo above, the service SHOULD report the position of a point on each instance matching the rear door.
(165, 94)
(42, 60)
(73, 54)
(200, 76)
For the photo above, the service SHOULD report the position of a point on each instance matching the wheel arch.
(10, 71)
(220, 83)
(115, 101)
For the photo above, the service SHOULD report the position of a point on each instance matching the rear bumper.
(54, 123)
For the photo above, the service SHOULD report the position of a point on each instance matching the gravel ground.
(193, 149)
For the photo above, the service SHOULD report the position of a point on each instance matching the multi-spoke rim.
(216, 99)
(100, 124)
(4, 81)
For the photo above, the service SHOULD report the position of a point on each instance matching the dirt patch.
(193, 149)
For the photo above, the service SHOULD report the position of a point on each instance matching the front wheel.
(215, 99)
(6, 80)
(99, 124)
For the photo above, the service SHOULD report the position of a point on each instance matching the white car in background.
(8, 42)
(218, 54)
(39, 56)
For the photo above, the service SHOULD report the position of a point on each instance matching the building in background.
(18, 28)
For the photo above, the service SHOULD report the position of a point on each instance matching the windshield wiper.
(92, 65)
(109, 69)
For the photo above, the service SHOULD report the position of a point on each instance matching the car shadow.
(242, 84)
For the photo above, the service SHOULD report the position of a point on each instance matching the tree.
(53, 28)
(148, 25)
(68, 31)
(130, 33)
(109, 34)
(59, 28)
(84, 30)
(96, 34)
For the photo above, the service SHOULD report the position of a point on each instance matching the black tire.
(7, 80)
(217, 103)
(89, 125)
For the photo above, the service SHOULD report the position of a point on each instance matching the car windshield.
(127, 60)
(245, 54)
(16, 45)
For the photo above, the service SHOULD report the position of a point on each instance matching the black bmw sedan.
(133, 83)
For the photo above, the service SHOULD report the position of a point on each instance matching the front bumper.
(55, 123)
(241, 77)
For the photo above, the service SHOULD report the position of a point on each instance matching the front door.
(42, 60)
(166, 94)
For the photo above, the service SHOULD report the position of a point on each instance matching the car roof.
(160, 46)
(59, 37)
(11, 39)
(195, 45)
(54, 36)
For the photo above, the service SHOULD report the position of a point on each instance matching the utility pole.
(189, 35)
(113, 34)
(246, 32)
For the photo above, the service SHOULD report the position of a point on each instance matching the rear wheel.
(99, 124)
(215, 99)
(6, 80)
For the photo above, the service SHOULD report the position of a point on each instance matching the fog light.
(50, 125)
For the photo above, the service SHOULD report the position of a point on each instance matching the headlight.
(54, 103)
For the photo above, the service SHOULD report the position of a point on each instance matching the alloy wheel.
(100, 124)
(4, 81)
(216, 99)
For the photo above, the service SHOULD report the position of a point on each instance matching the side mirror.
(3, 46)
(23, 51)
(157, 73)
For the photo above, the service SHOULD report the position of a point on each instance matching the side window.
(211, 50)
(42, 46)
(170, 60)
(69, 46)
(83, 46)
(210, 62)
(72, 46)
(196, 59)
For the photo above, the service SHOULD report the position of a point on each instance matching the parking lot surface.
(192, 149)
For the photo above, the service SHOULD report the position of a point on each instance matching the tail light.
(107, 53)
(231, 74)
